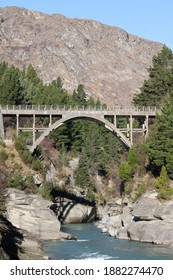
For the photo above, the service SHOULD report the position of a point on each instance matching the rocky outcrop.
(111, 63)
(147, 220)
(71, 212)
(17, 244)
(32, 214)
(3, 254)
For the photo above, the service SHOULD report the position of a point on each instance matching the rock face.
(147, 220)
(71, 212)
(108, 61)
(17, 244)
(32, 214)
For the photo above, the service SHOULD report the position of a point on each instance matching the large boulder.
(32, 213)
(158, 232)
(164, 212)
(76, 213)
(144, 209)
(147, 220)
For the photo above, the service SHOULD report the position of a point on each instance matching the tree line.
(98, 150)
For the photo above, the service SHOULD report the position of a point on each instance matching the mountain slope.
(108, 61)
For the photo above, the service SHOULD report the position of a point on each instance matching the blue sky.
(150, 19)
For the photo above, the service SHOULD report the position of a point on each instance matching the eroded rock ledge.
(147, 220)
(16, 244)
(32, 213)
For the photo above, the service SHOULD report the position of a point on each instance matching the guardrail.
(76, 108)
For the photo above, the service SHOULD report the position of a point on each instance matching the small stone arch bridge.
(58, 115)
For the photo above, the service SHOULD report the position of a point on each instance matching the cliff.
(108, 61)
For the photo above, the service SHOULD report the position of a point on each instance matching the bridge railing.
(77, 108)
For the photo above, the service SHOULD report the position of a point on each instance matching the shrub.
(26, 157)
(37, 165)
(16, 181)
(3, 155)
(19, 145)
(45, 191)
(165, 192)
(139, 191)
(125, 171)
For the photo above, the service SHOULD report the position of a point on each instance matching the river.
(92, 244)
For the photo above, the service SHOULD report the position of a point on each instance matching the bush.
(26, 157)
(125, 171)
(140, 190)
(19, 145)
(165, 192)
(29, 184)
(16, 181)
(37, 165)
(45, 191)
(3, 155)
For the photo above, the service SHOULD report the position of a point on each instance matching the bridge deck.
(66, 113)
(60, 110)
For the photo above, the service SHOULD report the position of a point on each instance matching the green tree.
(160, 146)
(159, 83)
(3, 67)
(32, 86)
(10, 87)
(163, 179)
(125, 171)
(79, 96)
(165, 192)
(132, 157)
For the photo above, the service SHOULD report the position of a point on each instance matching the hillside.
(108, 61)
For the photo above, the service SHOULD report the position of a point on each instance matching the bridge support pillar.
(2, 133)
(146, 125)
(115, 121)
(17, 125)
(33, 132)
(50, 119)
(131, 129)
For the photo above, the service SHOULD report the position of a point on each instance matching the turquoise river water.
(92, 244)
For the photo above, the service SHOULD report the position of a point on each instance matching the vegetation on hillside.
(158, 91)
(99, 152)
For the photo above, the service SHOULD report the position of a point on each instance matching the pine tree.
(165, 192)
(160, 146)
(79, 96)
(160, 80)
(10, 87)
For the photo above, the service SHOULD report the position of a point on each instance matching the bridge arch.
(97, 118)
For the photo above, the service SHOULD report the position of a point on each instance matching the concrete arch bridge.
(56, 116)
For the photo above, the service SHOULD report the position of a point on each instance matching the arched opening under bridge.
(96, 118)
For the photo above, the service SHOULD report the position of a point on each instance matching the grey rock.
(37, 180)
(144, 208)
(158, 232)
(32, 213)
(112, 231)
(50, 173)
(126, 219)
(122, 233)
(164, 212)
(75, 213)
(147, 220)
(110, 63)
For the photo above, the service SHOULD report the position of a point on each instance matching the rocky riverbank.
(30, 219)
(147, 220)
(17, 244)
